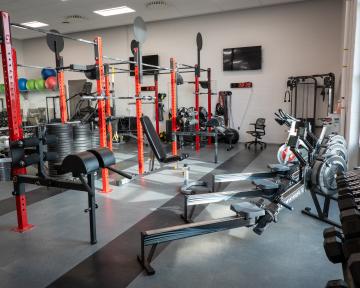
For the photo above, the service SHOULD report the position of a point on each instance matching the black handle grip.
(262, 223)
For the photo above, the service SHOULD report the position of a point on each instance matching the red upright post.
(140, 136)
(156, 80)
(101, 108)
(173, 104)
(209, 100)
(12, 95)
(197, 126)
(62, 97)
(108, 110)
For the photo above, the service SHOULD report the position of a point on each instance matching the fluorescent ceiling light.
(114, 11)
(35, 24)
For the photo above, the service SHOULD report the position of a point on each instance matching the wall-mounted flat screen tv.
(147, 59)
(244, 58)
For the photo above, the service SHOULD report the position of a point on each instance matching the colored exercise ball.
(2, 88)
(47, 72)
(30, 84)
(39, 84)
(22, 84)
(51, 83)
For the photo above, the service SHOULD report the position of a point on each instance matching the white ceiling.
(53, 12)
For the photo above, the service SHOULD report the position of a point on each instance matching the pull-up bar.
(21, 26)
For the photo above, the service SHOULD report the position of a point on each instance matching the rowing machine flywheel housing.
(324, 172)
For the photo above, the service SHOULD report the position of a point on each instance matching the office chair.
(257, 133)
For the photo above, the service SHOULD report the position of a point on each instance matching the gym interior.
(175, 143)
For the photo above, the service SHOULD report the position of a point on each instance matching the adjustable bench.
(158, 151)
(156, 146)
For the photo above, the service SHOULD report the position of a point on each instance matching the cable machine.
(303, 92)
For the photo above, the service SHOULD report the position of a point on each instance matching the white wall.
(300, 38)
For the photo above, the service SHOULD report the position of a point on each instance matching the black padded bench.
(156, 146)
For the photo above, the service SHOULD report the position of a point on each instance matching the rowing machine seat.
(247, 210)
(265, 184)
(279, 168)
(155, 143)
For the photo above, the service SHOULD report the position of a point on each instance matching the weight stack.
(63, 147)
(5, 169)
(95, 138)
(82, 137)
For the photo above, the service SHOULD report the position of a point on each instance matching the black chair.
(257, 133)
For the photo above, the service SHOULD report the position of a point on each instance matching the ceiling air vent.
(73, 19)
(156, 4)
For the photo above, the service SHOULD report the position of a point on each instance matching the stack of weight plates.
(82, 137)
(95, 138)
(63, 147)
(5, 169)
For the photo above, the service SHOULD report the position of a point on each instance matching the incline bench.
(159, 152)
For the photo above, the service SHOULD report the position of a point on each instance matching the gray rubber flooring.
(288, 254)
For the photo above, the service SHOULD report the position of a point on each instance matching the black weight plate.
(199, 41)
(55, 42)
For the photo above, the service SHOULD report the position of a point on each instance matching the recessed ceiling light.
(35, 24)
(114, 11)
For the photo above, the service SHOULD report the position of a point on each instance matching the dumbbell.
(353, 190)
(347, 177)
(350, 220)
(350, 247)
(348, 201)
(333, 239)
(344, 183)
(336, 284)
(354, 266)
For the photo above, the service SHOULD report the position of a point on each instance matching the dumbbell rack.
(343, 245)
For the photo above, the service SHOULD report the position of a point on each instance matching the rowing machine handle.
(285, 205)
(263, 222)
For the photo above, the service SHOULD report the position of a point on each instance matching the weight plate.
(55, 42)
(63, 147)
(140, 31)
(199, 41)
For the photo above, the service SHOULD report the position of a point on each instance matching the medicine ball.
(30, 84)
(39, 84)
(47, 72)
(22, 84)
(51, 83)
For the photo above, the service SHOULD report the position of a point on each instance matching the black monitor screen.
(149, 59)
(245, 58)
